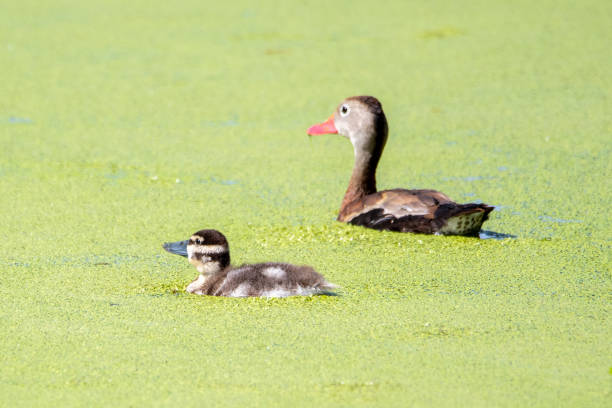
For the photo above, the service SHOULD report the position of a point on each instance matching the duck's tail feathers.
(462, 219)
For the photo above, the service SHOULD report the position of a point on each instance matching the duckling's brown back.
(272, 280)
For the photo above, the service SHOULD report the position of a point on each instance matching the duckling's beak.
(323, 128)
(177, 248)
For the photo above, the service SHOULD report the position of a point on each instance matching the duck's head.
(206, 249)
(360, 119)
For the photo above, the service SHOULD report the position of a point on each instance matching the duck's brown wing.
(396, 203)
(420, 211)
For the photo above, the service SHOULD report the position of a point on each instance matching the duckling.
(361, 119)
(208, 251)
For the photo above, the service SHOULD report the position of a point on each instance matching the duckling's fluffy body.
(262, 280)
(208, 252)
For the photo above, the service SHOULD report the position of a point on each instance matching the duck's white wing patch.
(462, 223)
(274, 272)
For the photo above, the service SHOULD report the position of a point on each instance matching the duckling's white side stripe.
(210, 249)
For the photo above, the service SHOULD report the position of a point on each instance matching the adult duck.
(208, 251)
(361, 119)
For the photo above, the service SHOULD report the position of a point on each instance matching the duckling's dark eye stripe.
(199, 257)
(221, 258)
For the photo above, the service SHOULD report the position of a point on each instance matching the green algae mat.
(127, 124)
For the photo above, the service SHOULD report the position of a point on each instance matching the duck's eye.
(344, 110)
(198, 241)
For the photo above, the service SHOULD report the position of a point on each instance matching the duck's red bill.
(323, 128)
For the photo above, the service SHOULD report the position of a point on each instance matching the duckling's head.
(361, 119)
(206, 249)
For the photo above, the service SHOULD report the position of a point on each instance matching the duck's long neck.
(363, 179)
